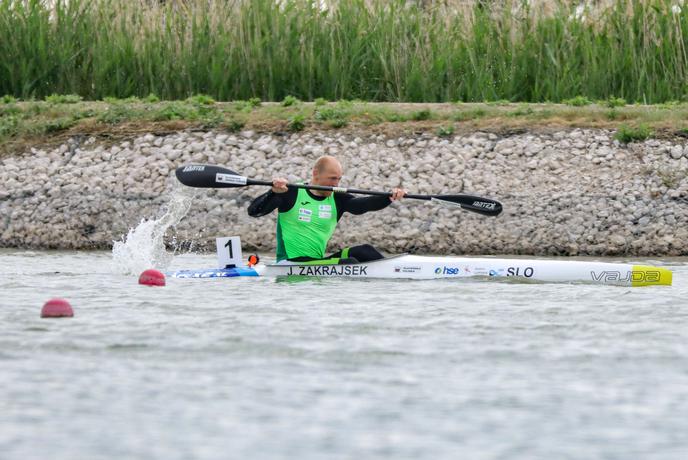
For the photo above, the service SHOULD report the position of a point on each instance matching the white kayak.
(431, 267)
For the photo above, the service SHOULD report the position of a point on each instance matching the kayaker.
(306, 219)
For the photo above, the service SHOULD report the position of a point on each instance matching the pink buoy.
(57, 308)
(152, 277)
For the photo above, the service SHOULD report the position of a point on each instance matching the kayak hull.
(430, 267)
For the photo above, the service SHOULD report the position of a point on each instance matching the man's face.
(330, 175)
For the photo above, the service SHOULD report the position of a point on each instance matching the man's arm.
(348, 203)
(269, 201)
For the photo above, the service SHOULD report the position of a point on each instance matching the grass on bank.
(35, 122)
(374, 50)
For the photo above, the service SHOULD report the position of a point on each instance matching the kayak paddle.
(209, 176)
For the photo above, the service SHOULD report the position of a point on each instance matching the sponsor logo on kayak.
(328, 270)
(526, 272)
(447, 270)
(650, 276)
(193, 168)
(498, 272)
(484, 205)
(399, 269)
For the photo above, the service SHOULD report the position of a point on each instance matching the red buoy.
(253, 259)
(57, 308)
(152, 277)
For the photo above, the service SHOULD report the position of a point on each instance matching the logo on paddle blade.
(233, 179)
(193, 168)
(484, 205)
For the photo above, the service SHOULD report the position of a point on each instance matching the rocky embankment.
(573, 192)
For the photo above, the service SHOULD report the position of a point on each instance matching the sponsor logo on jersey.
(325, 211)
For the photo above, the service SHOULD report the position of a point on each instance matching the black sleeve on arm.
(347, 203)
(269, 201)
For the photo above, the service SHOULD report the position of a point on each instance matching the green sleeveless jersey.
(305, 229)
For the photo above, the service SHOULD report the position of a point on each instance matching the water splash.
(144, 246)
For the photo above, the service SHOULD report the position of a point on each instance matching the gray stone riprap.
(572, 192)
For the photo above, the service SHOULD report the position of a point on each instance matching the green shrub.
(337, 123)
(63, 98)
(297, 123)
(9, 126)
(612, 114)
(396, 117)
(212, 119)
(288, 101)
(201, 99)
(339, 111)
(58, 124)
(578, 101)
(330, 113)
(627, 134)
(614, 102)
(234, 125)
(81, 114)
(521, 111)
(115, 113)
(175, 111)
(445, 131)
(468, 115)
(421, 115)
(9, 109)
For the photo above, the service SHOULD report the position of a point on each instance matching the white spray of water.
(144, 246)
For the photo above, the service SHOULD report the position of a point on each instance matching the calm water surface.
(336, 369)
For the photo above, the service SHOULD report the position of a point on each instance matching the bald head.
(326, 162)
(327, 171)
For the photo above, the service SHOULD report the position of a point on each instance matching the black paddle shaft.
(210, 176)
